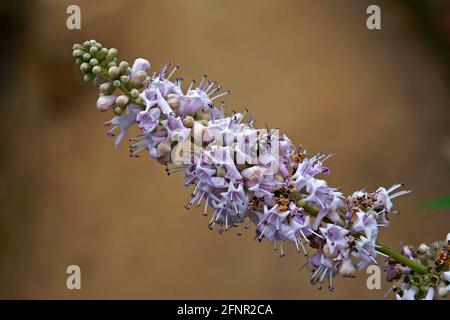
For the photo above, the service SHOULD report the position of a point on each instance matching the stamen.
(220, 95)
(201, 82)
(190, 86)
(330, 282)
(173, 71)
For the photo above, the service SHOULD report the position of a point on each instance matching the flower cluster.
(238, 172)
(410, 284)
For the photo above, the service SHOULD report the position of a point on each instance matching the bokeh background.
(378, 100)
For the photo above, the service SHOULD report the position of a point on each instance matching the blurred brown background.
(379, 100)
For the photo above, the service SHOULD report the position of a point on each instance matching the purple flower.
(231, 206)
(123, 122)
(175, 128)
(148, 120)
(222, 157)
(335, 237)
(297, 231)
(384, 197)
(366, 252)
(366, 223)
(272, 217)
(260, 184)
(324, 269)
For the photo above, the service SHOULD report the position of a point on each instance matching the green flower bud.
(98, 45)
(113, 72)
(86, 44)
(134, 93)
(93, 62)
(112, 64)
(79, 61)
(77, 46)
(92, 42)
(85, 67)
(112, 53)
(123, 66)
(124, 79)
(77, 53)
(117, 83)
(86, 56)
(118, 111)
(96, 70)
(88, 77)
(106, 88)
(93, 51)
(122, 101)
(102, 54)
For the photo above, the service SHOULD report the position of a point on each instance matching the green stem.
(402, 259)
(420, 268)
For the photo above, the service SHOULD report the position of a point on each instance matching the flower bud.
(112, 53)
(93, 62)
(106, 102)
(118, 111)
(174, 103)
(102, 54)
(88, 77)
(106, 88)
(424, 249)
(77, 46)
(123, 67)
(188, 122)
(134, 93)
(122, 101)
(347, 269)
(117, 83)
(164, 148)
(113, 72)
(93, 51)
(124, 79)
(77, 53)
(85, 67)
(141, 76)
(86, 56)
(96, 70)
